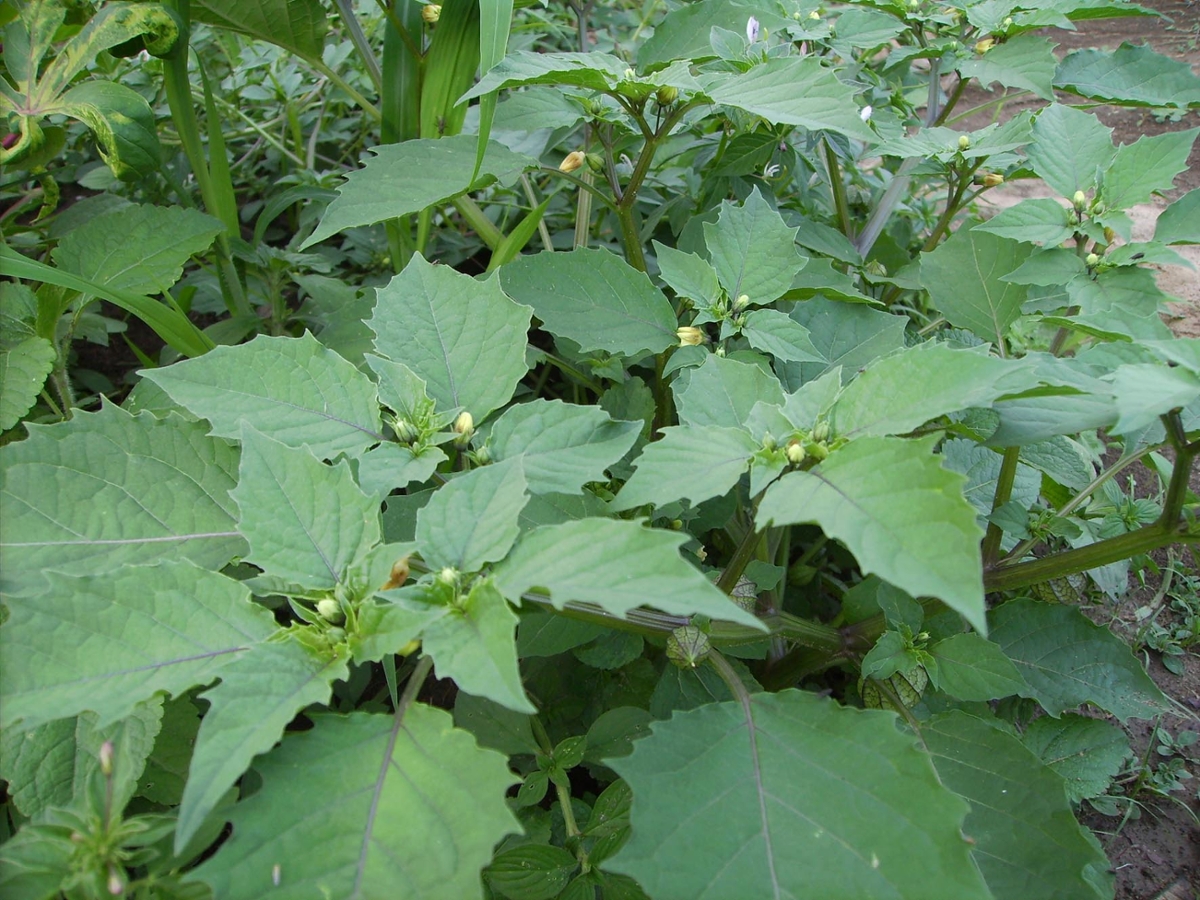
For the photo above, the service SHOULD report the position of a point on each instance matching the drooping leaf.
(475, 644)
(1087, 753)
(121, 121)
(296, 25)
(260, 693)
(898, 511)
(616, 564)
(24, 368)
(141, 249)
(58, 764)
(1027, 842)
(963, 279)
(595, 71)
(907, 389)
(971, 667)
(464, 337)
(473, 519)
(400, 179)
(394, 804)
(594, 298)
(305, 521)
(792, 91)
(108, 489)
(722, 392)
(561, 446)
(752, 250)
(693, 462)
(1067, 660)
(735, 800)
(1132, 74)
(291, 389)
(1026, 62)
(105, 644)
(1070, 149)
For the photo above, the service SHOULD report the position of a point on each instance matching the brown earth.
(1156, 856)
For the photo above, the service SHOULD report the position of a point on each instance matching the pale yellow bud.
(1079, 200)
(573, 161)
(964, 142)
(1092, 260)
(985, 45)
(992, 179)
(689, 336)
(795, 453)
(106, 758)
(430, 13)
(464, 427)
(329, 610)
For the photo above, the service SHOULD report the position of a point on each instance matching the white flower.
(752, 30)
(772, 170)
(865, 114)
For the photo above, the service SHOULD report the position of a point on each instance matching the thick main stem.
(1004, 485)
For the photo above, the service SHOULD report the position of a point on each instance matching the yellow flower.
(689, 336)
(573, 161)
(985, 45)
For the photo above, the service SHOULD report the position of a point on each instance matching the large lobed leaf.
(464, 337)
(102, 644)
(690, 461)
(365, 807)
(963, 278)
(791, 796)
(108, 489)
(899, 512)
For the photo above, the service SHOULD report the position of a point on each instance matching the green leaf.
(495, 726)
(1177, 224)
(792, 91)
(475, 644)
(693, 462)
(844, 334)
(594, 298)
(898, 511)
(1087, 753)
(296, 25)
(982, 468)
(561, 446)
(531, 872)
(389, 466)
(1145, 391)
(400, 179)
(907, 389)
(107, 490)
(722, 807)
(688, 274)
(1027, 842)
(971, 667)
(141, 249)
(391, 802)
(752, 250)
(24, 368)
(34, 863)
(963, 278)
(166, 770)
(595, 71)
(1118, 303)
(616, 564)
(1026, 62)
(722, 392)
(1040, 220)
(260, 693)
(685, 32)
(291, 389)
(473, 519)
(1146, 167)
(105, 644)
(58, 763)
(305, 521)
(122, 122)
(1071, 147)
(1067, 660)
(386, 626)
(780, 335)
(464, 337)
(1133, 74)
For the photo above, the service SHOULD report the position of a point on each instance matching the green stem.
(742, 557)
(484, 227)
(563, 791)
(359, 40)
(413, 686)
(1181, 473)
(543, 231)
(1004, 486)
(834, 171)
(366, 105)
(736, 687)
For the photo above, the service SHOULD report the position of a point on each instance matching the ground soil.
(1156, 856)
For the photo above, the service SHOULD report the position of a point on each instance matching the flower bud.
(464, 427)
(752, 29)
(1007, 23)
(406, 431)
(795, 453)
(741, 302)
(815, 16)
(1092, 260)
(595, 162)
(398, 575)
(964, 142)
(865, 113)
(818, 451)
(985, 45)
(689, 336)
(573, 161)
(768, 442)
(410, 648)
(330, 610)
(448, 575)
(106, 759)
(430, 13)
(628, 75)
(992, 179)
(820, 431)
(1109, 235)
(667, 94)
(1079, 200)
(116, 883)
